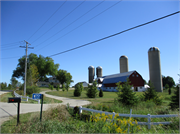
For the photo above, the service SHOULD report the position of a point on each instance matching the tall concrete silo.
(99, 71)
(155, 68)
(123, 62)
(91, 74)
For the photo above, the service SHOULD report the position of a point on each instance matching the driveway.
(10, 109)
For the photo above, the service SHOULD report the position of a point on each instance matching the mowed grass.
(46, 100)
(108, 97)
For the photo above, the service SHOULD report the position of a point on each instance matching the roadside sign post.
(16, 100)
(39, 96)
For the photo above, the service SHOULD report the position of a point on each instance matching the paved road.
(8, 110)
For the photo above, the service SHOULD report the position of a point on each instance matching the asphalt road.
(8, 110)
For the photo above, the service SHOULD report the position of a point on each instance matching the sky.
(52, 27)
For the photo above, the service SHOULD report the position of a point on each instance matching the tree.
(151, 94)
(45, 66)
(63, 87)
(166, 86)
(57, 88)
(168, 80)
(32, 75)
(64, 77)
(13, 82)
(3, 85)
(9, 86)
(169, 91)
(92, 90)
(78, 90)
(175, 99)
(125, 94)
(100, 93)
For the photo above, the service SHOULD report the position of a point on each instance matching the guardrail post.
(27, 98)
(80, 109)
(38, 101)
(113, 116)
(149, 121)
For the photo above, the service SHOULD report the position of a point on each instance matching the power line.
(59, 21)
(9, 44)
(46, 21)
(72, 22)
(116, 34)
(81, 24)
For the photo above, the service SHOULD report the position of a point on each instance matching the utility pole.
(26, 65)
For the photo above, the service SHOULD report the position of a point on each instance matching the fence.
(26, 98)
(148, 116)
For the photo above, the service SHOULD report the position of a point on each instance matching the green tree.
(64, 77)
(168, 80)
(13, 82)
(9, 86)
(151, 94)
(100, 93)
(32, 75)
(57, 88)
(166, 87)
(175, 99)
(92, 90)
(45, 66)
(125, 94)
(169, 91)
(78, 90)
(63, 87)
(3, 85)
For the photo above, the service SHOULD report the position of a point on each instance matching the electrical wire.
(71, 22)
(10, 57)
(115, 34)
(10, 48)
(59, 21)
(46, 21)
(81, 24)
(10, 44)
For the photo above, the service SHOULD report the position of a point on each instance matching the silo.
(91, 74)
(123, 62)
(155, 68)
(99, 71)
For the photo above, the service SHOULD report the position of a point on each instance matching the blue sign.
(36, 96)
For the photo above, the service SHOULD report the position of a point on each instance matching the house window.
(133, 75)
(136, 75)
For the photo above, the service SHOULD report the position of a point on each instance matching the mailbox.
(14, 100)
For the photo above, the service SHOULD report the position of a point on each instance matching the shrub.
(63, 87)
(57, 88)
(169, 91)
(100, 93)
(92, 90)
(52, 87)
(125, 94)
(32, 89)
(175, 99)
(166, 86)
(78, 90)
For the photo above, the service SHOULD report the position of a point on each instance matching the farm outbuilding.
(109, 82)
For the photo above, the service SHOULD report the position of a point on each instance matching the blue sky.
(20, 20)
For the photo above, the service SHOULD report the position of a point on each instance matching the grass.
(46, 100)
(60, 120)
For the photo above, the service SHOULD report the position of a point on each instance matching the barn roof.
(117, 77)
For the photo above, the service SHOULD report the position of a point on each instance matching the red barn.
(110, 81)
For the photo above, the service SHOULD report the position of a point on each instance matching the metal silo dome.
(124, 56)
(153, 49)
(99, 71)
(91, 73)
(123, 63)
(155, 68)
